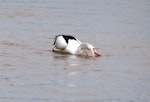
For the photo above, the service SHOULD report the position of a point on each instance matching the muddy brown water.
(31, 72)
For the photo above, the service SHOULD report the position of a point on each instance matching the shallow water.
(30, 71)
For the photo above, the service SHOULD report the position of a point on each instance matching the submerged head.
(87, 49)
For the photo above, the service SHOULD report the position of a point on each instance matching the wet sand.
(31, 72)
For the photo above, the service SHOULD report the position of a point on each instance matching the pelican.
(71, 45)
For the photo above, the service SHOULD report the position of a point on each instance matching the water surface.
(31, 72)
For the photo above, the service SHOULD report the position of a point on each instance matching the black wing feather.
(66, 37)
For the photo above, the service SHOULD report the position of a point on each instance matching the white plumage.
(71, 45)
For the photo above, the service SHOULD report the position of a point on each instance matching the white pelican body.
(71, 45)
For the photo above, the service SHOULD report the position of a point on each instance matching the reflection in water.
(73, 60)
(76, 77)
(71, 77)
